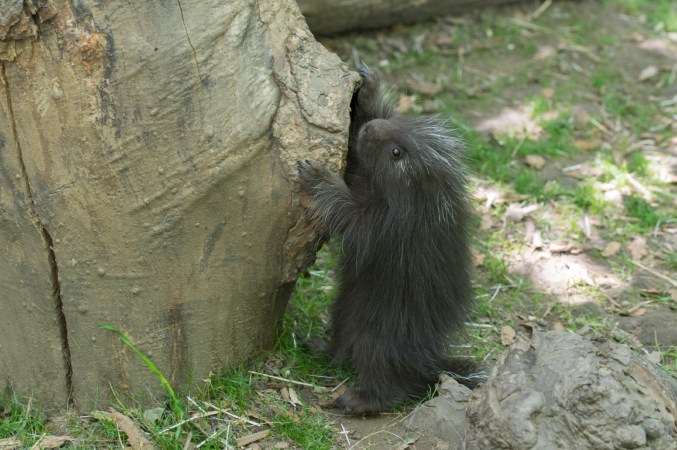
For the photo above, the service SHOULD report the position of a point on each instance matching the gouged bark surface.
(327, 17)
(31, 344)
(159, 141)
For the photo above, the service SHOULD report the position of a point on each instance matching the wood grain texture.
(160, 142)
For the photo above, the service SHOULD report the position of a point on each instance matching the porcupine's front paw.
(371, 103)
(311, 174)
(370, 87)
(363, 71)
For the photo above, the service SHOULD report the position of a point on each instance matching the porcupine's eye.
(396, 152)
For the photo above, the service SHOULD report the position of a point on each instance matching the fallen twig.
(345, 432)
(234, 416)
(655, 273)
(246, 440)
(190, 419)
(186, 446)
(339, 385)
(540, 10)
(300, 383)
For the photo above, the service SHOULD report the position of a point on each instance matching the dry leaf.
(638, 187)
(561, 247)
(444, 39)
(537, 242)
(611, 249)
(10, 444)
(477, 258)
(339, 391)
(637, 248)
(516, 213)
(578, 171)
(565, 247)
(545, 52)
(154, 414)
(486, 222)
(614, 196)
(637, 38)
(643, 145)
(585, 144)
(246, 440)
(535, 161)
(423, 87)
(293, 397)
(581, 116)
(51, 442)
(135, 437)
(507, 335)
(405, 103)
(638, 312)
(648, 72)
(529, 230)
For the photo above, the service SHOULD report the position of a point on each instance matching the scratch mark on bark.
(49, 244)
(183, 21)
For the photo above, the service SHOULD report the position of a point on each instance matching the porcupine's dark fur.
(405, 278)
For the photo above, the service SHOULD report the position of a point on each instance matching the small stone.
(631, 436)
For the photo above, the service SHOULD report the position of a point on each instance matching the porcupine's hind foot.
(358, 403)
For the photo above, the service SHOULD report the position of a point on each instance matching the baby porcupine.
(405, 275)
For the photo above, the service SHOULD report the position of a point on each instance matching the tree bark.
(327, 17)
(147, 164)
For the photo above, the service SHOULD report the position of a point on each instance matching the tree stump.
(147, 164)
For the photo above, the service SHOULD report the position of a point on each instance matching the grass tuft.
(175, 403)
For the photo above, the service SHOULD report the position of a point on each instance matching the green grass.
(648, 217)
(586, 197)
(306, 428)
(176, 405)
(669, 359)
(18, 420)
(604, 78)
(234, 387)
(661, 13)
